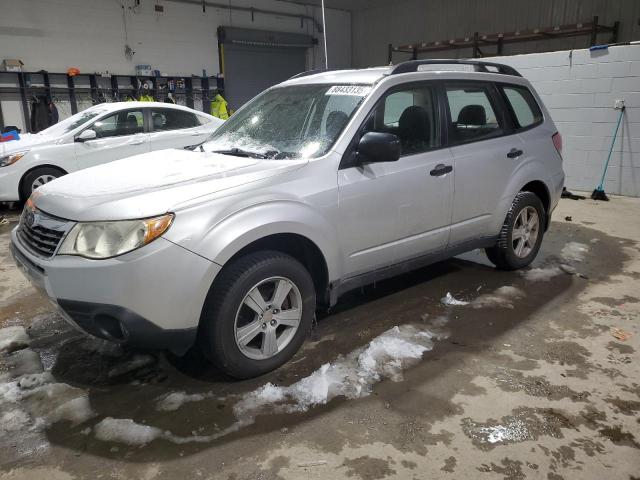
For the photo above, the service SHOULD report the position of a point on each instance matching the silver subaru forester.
(321, 184)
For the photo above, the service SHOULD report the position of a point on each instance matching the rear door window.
(473, 113)
(524, 107)
(164, 119)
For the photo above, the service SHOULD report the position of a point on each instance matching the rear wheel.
(521, 233)
(257, 314)
(36, 178)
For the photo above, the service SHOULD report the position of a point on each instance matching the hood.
(151, 184)
(27, 141)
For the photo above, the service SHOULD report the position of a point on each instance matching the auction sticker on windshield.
(352, 90)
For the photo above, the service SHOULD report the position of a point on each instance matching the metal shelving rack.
(119, 87)
(477, 41)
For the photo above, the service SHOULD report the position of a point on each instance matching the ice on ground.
(574, 252)
(14, 420)
(125, 430)
(13, 338)
(24, 362)
(54, 402)
(35, 380)
(174, 400)
(136, 363)
(351, 376)
(541, 274)
(501, 297)
(30, 400)
(449, 299)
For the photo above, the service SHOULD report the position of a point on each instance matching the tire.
(226, 314)
(512, 252)
(40, 175)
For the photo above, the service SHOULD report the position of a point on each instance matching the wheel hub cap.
(268, 318)
(525, 232)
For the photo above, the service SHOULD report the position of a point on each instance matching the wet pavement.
(526, 381)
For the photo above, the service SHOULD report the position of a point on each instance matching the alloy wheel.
(525, 232)
(268, 318)
(40, 181)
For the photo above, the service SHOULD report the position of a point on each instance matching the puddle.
(523, 424)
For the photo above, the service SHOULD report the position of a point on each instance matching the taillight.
(557, 142)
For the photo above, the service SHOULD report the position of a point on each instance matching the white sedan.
(100, 134)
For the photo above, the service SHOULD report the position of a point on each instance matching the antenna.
(324, 35)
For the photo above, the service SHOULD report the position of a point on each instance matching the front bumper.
(151, 297)
(9, 184)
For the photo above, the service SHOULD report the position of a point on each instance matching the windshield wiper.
(237, 152)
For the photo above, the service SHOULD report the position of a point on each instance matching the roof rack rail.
(310, 72)
(479, 66)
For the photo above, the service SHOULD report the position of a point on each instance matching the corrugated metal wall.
(405, 22)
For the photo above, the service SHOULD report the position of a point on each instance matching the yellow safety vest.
(219, 107)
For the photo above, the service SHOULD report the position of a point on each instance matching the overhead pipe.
(223, 6)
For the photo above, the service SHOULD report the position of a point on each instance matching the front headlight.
(12, 158)
(100, 240)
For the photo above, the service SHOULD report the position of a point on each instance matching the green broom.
(598, 193)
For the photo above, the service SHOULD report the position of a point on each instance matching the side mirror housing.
(87, 134)
(375, 147)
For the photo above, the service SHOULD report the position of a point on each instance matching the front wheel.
(257, 314)
(521, 234)
(36, 178)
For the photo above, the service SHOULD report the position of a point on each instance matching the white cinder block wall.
(580, 88)
(54, 35)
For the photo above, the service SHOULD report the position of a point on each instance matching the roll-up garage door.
(253, 60)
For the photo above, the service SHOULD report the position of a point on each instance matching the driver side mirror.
(87, 134)
(375, 147)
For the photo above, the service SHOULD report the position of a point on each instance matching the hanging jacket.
(53, 114)
(39, 113)
(219, 107)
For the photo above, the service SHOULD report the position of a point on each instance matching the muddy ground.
(522, 383)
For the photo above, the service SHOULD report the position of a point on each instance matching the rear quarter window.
(524, 107)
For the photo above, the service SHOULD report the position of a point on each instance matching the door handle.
(441, 169)
(196, 134)
(137, 141)
(514, 153)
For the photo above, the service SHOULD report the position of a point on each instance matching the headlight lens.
(100, 240)
(12, 158)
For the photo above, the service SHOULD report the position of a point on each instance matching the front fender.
(243, 227)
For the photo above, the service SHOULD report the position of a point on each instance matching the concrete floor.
(534, 386)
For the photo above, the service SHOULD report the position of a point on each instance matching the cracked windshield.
(289, 122)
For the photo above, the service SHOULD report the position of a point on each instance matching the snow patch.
(14, 420)
(32, 400)
(35, 380)
(54, 402)
(351, 376)
(574, 252)
(501, 297)
(125, 430)
(136, 363)
(449, 299)
(174, 400)
(13, 338)
(24, 362)
(541, 274)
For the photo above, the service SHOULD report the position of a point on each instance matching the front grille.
(41, 240)
(41, 233)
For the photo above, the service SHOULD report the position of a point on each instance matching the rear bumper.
(151, 297)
